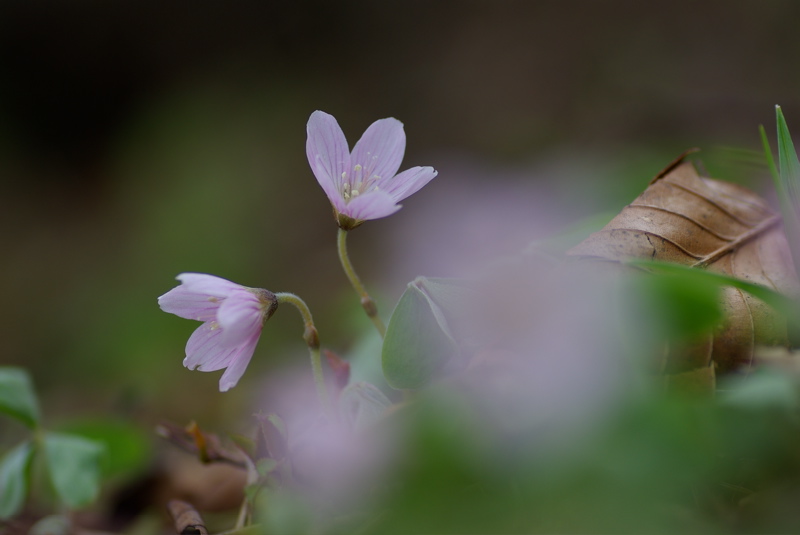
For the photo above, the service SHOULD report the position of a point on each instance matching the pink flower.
(233, 316)
(363, 184)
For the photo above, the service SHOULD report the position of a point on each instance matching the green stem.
(312, 340)
(366, 301)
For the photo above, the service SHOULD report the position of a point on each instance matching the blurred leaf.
(14, 479)
(74, 466)
(782, 304)
(696, 382)
(362, 404)
(416, 347)
(762, 390)
(17, 397)
(52, 525)
(284, 513)
(127, 447)
(687, 306)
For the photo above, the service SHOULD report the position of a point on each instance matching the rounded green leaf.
(415, 347)
(17, 397)
(74, 466)
(14, 479)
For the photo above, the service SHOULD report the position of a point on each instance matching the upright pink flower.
(362, 185)
(233, 316)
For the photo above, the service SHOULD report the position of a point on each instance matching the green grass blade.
(789, 166)
(773, 170)
(788, 187)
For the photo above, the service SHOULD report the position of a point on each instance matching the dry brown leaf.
(708, 224)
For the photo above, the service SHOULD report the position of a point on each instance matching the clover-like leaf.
(14, 479)
(74, 466)
(17, 396)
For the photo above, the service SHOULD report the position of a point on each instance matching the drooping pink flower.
(232, 317)
(362, 185)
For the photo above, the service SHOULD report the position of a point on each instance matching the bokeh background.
(142, 139)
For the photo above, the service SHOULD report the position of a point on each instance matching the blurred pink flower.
(362, 185)
(232, 317)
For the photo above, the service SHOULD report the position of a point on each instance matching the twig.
(187, 519)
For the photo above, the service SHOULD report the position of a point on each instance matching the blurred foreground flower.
(233, 316)
(362, 185)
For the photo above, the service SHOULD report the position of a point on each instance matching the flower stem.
(311, 337)
(366, 301)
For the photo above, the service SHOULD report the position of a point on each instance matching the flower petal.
(203, 351)
(240, 317)
(209, 285)
(328, 155)
(380, 150)
(371, 205)
(189, 305)
(238, 365)
(408, 182)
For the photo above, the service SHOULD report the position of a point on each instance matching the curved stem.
(311, 337)
(366, 301)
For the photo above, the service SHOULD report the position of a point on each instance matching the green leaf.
(418, 340)
(74, 466)
(784, 305)
(283, 512)
(687, 305)
(17, 397)
(14, 479)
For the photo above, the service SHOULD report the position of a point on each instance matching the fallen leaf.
(688, 219)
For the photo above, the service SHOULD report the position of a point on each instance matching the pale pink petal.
(209, 285)
(380, 150)
(238, 364)
(188, 304)
(371, 205)
(203, 351)
(408, 182)
(240, 317)
(328, 155)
